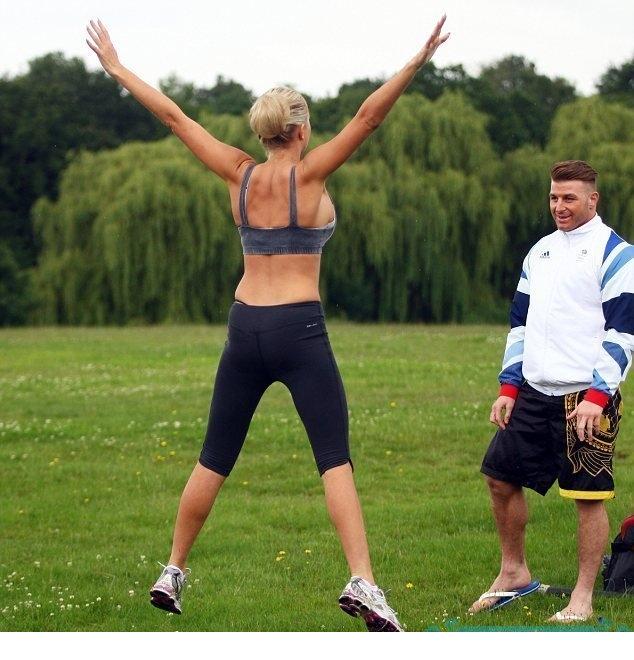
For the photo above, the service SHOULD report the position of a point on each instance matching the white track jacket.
(572, 317)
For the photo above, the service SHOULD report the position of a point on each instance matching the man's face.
(572, 203)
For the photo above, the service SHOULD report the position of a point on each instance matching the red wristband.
(598, 397)
(506, 389)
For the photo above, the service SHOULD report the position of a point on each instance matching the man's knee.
(590, 507)
(502, 489)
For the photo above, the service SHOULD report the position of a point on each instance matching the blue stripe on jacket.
(619, 313)
(616, 352)
(512, 375)
(599, 384)
(622, 258)
(519, 309)
(613, 241)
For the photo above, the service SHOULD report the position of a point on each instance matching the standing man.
(570, 345)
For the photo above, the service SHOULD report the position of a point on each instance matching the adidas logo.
(545, 255)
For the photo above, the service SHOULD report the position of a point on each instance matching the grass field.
(99, 429)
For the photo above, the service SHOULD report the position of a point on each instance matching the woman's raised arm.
(325, 159)
(222, 159)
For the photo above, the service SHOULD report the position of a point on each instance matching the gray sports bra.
(291, 239)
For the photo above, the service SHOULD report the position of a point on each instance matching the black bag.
(618, 571)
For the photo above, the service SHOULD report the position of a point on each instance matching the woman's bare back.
(276, 279)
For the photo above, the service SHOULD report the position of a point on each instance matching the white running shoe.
(360, 598)
(167, 591)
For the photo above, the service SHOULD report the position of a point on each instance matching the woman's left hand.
(431, 46)
(100, 43)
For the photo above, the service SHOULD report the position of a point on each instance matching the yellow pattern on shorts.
(596, 454)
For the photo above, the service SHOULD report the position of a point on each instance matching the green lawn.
(99, 429)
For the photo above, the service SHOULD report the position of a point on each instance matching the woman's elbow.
(174, 119)
(368, 119)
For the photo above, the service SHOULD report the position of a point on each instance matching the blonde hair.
(275, 114)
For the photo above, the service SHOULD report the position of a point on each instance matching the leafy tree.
(327, 114)
(228, 97)
(525, 179)
(185, 94)
(432, 81)
(617, 83)
(520, 102)
(57, 106)
(581, 126)
(225, 97)
(615, 164)
(16, 298)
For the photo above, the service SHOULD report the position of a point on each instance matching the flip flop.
(560, 617)
(506, 597)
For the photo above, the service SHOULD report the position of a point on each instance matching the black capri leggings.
(285, 343)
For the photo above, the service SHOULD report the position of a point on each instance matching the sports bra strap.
(293, 199)
(242, 203)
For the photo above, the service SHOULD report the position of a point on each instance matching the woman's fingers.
(436, 33)
(435, 38)
(93, 29)
(93, 35)
(103, 28)
(440, 23)
(92, 47)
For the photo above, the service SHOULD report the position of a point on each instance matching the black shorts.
(265, 344)
(540, 446)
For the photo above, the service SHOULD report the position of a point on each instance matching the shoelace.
(373, 592)
(186, 571)
(181, 576)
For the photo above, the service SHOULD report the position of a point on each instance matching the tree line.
(436, 209)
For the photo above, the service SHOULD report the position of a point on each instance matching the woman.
(276, 326)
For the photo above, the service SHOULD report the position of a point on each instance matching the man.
(570, 345)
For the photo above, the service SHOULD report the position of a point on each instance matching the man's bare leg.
(592, 538)
(511, 515)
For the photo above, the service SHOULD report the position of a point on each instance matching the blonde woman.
(276, 326)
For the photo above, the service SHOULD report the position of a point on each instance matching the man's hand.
(501, 411)
(588, 416)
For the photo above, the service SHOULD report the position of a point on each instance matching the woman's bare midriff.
(279, 279)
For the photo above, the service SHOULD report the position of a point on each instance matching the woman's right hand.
(102, 46)
(434, 41)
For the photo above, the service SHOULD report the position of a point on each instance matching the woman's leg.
(310, 372)
(196, 501)
(345, 512)
(304, 362)
(239, 385)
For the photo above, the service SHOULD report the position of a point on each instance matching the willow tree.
(526, 180)
(422, 221)
(615, 164)
(580, 127)
(603, 134)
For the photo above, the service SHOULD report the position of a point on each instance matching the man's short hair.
(574, 170)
